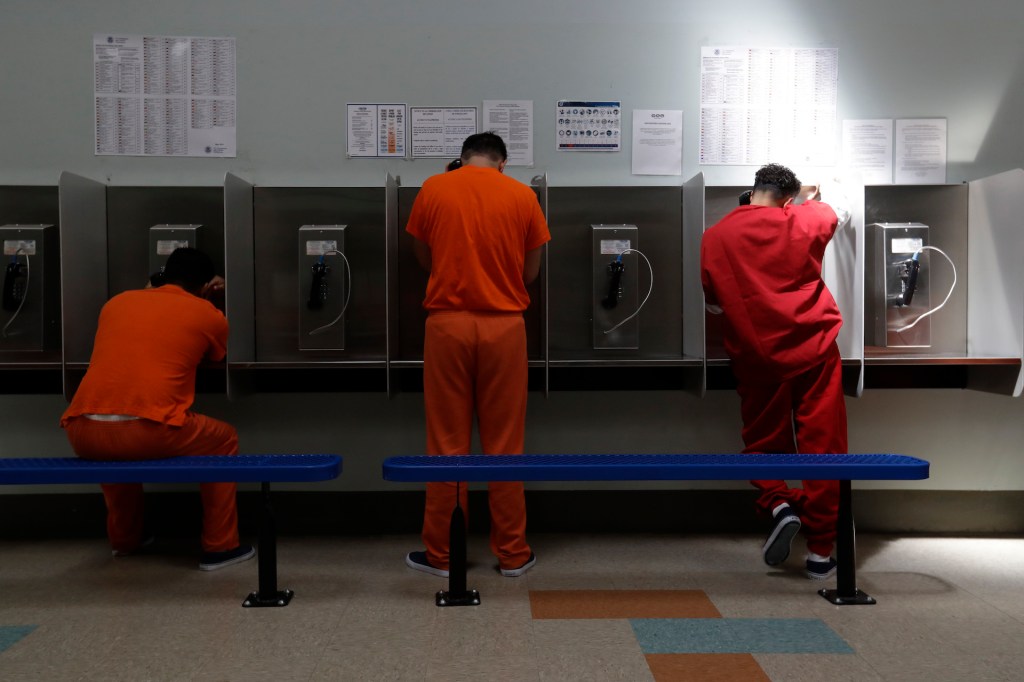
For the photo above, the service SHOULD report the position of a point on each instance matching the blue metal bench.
(842, 468)
(262, 469)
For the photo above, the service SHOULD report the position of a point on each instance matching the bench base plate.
(467, 598)
(259, 599)
(857, 599)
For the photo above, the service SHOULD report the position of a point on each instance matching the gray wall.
(299, 63)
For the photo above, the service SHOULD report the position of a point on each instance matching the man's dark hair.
(781, 182)
(188, 268)
(487, 144)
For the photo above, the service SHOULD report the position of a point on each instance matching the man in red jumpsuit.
(479, 234)
(761, 269)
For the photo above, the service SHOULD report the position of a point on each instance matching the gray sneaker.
(776, 547)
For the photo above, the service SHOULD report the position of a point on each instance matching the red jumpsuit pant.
(144, 439)
(476, 362)
(809, 408)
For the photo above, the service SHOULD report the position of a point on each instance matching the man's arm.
(531, 264)
(832, 194)
(423, 256)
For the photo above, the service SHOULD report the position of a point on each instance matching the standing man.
(479, 234)
(136, 398)
(761, 269)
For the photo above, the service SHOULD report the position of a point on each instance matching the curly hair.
(775, 178)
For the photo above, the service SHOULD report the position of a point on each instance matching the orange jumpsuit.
(762, 266)
(479, 224)
(148, 345)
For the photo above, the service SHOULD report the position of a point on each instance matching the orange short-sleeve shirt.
(148, 345)
(479, 224)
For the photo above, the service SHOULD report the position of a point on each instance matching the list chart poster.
(164, 96)
(377, 130)
(759, 105)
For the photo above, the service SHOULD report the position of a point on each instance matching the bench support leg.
(457, 594)
(268, 594)
(847, 593)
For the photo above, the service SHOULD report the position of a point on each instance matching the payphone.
(616, 298)
(164, 239)
(30, 313)
(324, 287)
(898, 286)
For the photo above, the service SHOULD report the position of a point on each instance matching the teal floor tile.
(10, 634)
(737, 636)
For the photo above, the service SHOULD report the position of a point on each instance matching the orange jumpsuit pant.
(811, 409)
(144, 439)
(476, 362)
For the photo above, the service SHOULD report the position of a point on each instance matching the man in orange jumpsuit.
(479, 234)
(135, 400)
(761, 269)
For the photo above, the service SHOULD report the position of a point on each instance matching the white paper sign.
(513, 121)
(164, 96)
(438, 132)
(768, 104)
(657, 142)
(920, 151)
(867, 148)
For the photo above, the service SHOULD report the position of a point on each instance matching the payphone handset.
(15, 283)
(908, 272)
(615, 270)
(319, 287)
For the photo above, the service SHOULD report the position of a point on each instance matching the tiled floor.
(948, 609)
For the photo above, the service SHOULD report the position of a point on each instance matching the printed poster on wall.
(585, 126)
(512, 119)
(760, 105)
(867, 149)
(438, 132)
(164, 96)
(376, 130)
(920, 151)
(657, 142)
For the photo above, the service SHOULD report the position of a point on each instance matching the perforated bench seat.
(262, 469)
(424, 468)
(205, 469)
(687, 467)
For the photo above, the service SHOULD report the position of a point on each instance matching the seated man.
(134, 402)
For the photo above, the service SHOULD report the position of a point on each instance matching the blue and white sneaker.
(776, 547)
(516, 572)
(418, 562)
(212, 561)
(821, 570)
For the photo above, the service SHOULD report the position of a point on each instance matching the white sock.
(811, 556)
(779, 508)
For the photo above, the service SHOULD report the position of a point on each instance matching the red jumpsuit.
(479, 224)
(762, 266)
(148, 345)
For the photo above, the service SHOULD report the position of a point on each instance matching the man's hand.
(213, 291)
(215, 287)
